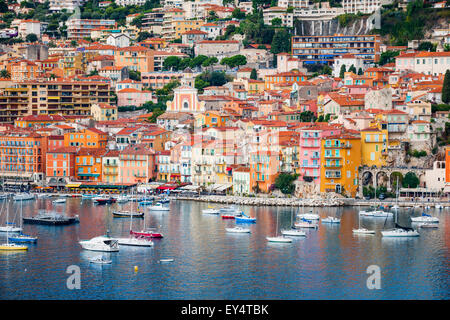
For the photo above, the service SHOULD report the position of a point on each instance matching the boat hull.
(399, 234)
(279, 239)
(293, 233)
(146, 234)
(12, 247)
(51, 222)
(118, 214)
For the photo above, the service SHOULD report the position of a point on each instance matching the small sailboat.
(122, 199)
(292, 231)
(100, 260)
(104, 200)
(159, 207)
(362, 230)
(211, 211)
(60, 200)
(23, 196)
(238, 230)
(127, 214)
(243, 218)
(425, 218)
(305, 223)
(22, 238)
(278, 239)
(428, 225)
(330, 219)
(11, 246)
(309, 216)
(166, 260)
(399, 231)
(229, 210)
(133, 241)
(9, 226)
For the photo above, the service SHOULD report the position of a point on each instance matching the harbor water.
(209, 263)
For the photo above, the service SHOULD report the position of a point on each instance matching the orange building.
(86, 138)
(24, 70)
(41, 120)
(264, 169)
(283, 78)
(447, 164)
(156, 138)
(60, 166)
(136, 58)
(88, 164)
(22, 154)
(137, 164)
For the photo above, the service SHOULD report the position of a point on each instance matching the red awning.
(166, 187)
(229, 169)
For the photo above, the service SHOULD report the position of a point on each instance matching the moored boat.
(136, 242)
(279, 239)
(211, 211)
(127, 214)
(51, 219)
(100, 243)
(331, 220)
(159, 207)
(238, 230)
(23, 197)
(293, 233)
(61, 200)
(100, 260)
(149, 233)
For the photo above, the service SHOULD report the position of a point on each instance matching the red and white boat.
(228, 216)
(146, 234)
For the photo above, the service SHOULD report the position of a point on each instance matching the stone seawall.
(257, 201)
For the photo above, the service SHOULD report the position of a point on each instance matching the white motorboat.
(428, 225)
(309, 216)
(238, 230)
(363, 231)
(165, 260)
(306, 224)
(399, 232)
(279, 239)
(380, 213)
(122, 199)
(330, 219)
(101, 243)
(373, 213)
(137, 242)
(293, 233)
(210, 211)
(427, 219)
(23, 197)
(61, 200)
(100, 260)
(438, 206)
(395, 207)
(3, 196)
(159, 207)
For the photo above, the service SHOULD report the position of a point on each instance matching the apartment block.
(324, 49)
(81, 28)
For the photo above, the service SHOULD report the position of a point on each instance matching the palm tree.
(5, 74)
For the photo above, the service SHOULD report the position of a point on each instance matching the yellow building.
(374, 144)
(341, 158)
(210, 119)
(104, 112)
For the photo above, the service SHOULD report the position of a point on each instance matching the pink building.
(134, 97)
(310, 148)
(137, 164)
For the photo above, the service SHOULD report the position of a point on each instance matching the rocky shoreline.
(260, 201)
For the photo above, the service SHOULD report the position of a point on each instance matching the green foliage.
(137, 22)
(206, 79)
(388, 57)
(5, 74)
(276, 22)
(253, 74)
(427, 46)
(342, 72)
(238, 14)
(31, 37)
(307, 116)
(352, 69)
(3, 7)
(135, 75)
(234, 61)
(156, 113)
(369, 191)
(417, 153)
(347, 18)
(209, 62)
(360, 72)
(410, 180)
(281, 42)
(143, 35)
(446, 88)
(73, 44)
(285, 182)
(440, 107)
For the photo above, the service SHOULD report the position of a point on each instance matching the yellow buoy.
(135, 268)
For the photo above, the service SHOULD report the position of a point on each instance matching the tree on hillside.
(276, 22)
(281, 42)
(446, 88)
(31, 37)
(253, 74)
(352, 69)
(5, 74)
(388, 57)
(342, 72)
(172, 63)
(238, 14)
(234, 61)
(426, 46)
(360, 72)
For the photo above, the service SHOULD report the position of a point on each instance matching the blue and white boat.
(145, 203)
(244, 219)
(22, 238)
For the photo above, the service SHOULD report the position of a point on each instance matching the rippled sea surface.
(209, 263)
